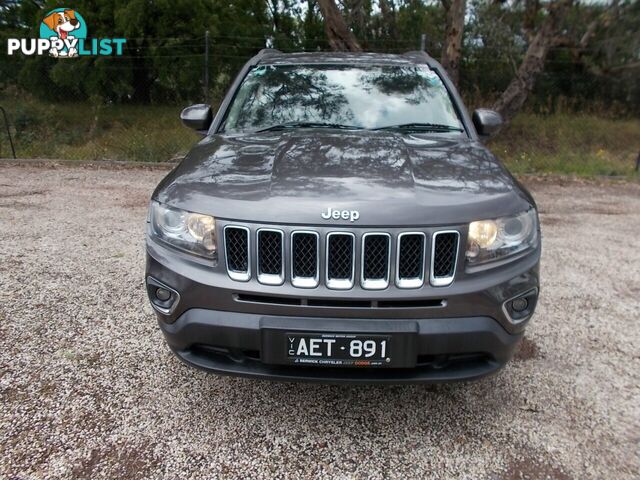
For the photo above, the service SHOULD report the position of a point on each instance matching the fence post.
(6, 123)
(206, 66)
(423, 42)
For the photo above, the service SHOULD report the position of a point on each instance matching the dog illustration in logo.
(63, 23)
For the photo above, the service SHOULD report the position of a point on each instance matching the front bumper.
(446, 349)
(232, 327)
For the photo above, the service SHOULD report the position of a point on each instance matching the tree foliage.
(593, 58)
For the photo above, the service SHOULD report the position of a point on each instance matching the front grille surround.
(340, 282)
(270, 277)
(307, 281)
(380, 282)
(405, 280)
(438, 279)
(410, 256)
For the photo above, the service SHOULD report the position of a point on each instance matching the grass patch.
(89, 132)
(586, 145)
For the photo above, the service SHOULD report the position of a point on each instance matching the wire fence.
(127, 107)
(175, 70)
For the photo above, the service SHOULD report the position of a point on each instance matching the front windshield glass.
(354, 96)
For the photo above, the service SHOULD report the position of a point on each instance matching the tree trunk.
(339, 36)
(452, 48)
(531, 8)
(273, 6)
(142, 73)
(512, 99)
(388, 17)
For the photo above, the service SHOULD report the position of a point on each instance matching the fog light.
(163, 297)
(520, 308)
(520, 304)
(163, 294)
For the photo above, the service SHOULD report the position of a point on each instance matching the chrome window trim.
(269, 278)
(233, 274)
(415, 282)
(443, 281)
(375, 284)
(340, 284)
(306, 282)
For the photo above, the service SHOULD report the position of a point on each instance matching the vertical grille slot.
(270, 257)
(236, 241)
(375, 261)
(340, 260)
(410, 260)
(304, 259)
(444, 254)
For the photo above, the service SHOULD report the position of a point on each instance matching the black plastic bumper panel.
(446, 349)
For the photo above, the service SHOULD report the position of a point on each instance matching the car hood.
(389, 178)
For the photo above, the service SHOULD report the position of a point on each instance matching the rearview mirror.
(198, 117)
(487, 122)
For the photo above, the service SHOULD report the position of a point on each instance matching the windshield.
(349, 96)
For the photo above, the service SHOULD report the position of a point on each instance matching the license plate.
(339, 349)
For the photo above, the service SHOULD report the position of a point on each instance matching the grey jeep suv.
(342, 221)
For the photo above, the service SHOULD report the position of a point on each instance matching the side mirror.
(198, 117)
(487, 122)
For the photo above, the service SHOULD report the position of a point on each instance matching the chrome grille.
(270, 257)
(304, 259)
(335, 257)
(236, 241)
(375, 261)
(443, 258)
(410, 260)
(340, 260)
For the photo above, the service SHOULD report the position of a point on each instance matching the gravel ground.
(89, 389)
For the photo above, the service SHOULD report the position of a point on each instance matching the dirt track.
(89, 390)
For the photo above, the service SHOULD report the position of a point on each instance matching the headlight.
(191, 232)
(495, 239)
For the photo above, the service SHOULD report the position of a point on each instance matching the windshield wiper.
(422, 127)
(284, 126)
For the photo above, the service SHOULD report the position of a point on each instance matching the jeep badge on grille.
(351, 215)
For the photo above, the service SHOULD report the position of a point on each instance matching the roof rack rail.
(410, 53)
(264, 51)
(421, 54)
(261, 54)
